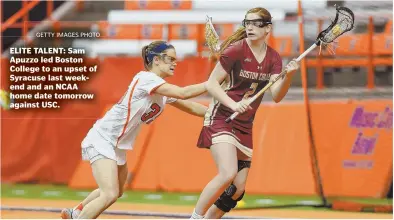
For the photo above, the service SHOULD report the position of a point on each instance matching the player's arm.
(190, 107)
(215, 90)
(225, 65)
(281, 87)
(213, 87)
(177, 92)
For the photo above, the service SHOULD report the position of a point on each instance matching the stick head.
(211, 37)
(343, 22)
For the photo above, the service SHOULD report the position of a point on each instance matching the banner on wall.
(369, 125)
(354, 144)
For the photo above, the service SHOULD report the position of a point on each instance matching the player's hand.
(241, 106)
(292, 66)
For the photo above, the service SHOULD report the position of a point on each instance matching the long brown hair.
(241, 32)
(150, 47)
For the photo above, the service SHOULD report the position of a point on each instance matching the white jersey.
(122, 123)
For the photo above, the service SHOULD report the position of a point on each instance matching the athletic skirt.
(95, 147)
(222, 132)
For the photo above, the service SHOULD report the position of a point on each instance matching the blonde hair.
(241, 32)
(151, 46)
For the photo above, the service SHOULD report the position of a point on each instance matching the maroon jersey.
(246, 76)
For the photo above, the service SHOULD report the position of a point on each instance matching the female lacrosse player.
(246, 64)
(106, 143)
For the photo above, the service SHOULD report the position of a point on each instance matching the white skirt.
(95, 147)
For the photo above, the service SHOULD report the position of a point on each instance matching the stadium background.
(41, 164)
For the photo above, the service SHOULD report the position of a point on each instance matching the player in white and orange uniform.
(107, 141)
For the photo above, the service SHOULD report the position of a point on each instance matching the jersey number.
(253, 88)
(155, 109)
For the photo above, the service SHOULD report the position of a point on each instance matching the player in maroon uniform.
(246, 64)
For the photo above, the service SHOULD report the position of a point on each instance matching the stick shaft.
(306, 52)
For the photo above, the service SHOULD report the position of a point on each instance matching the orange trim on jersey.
(154, 89)
(128, 113)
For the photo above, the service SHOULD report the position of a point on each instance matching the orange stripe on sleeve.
(154, 89)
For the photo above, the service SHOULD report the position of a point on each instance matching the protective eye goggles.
(256, 22)
(168, 59)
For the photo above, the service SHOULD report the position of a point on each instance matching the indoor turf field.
(46, 201)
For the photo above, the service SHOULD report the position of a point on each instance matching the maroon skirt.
(220, 131)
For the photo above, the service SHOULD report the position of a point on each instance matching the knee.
(240, 191)
(229, 199)
(228, 175)
(111, 195)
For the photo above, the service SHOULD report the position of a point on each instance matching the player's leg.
(74, 213)
(239, 182)
(122, 174)
(91, 196)
(225, 157)
(121, 158)
(70, 213)
(105, 172)
(121, 161)
(227, 200)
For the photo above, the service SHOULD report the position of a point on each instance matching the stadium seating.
(158, 5)
(288, 5)
(108, 47)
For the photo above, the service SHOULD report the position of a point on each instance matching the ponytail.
(144, 53)
(238, 35)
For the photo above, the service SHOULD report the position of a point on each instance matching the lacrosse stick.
(342, 23)
(211, 37)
